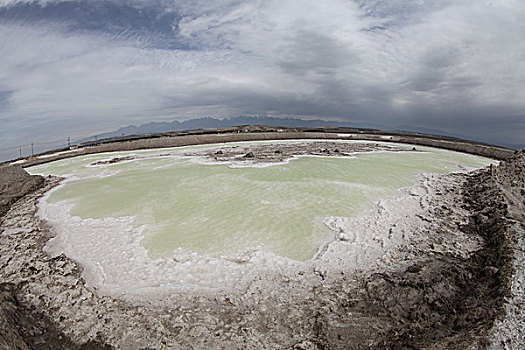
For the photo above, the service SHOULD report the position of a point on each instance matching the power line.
(46, 146)
(64, 141)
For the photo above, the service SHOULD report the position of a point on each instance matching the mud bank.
(15, 183)
(442, 287)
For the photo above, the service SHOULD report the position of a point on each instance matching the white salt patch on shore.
(362, 240)
(58, 153)
(115, 263)
(239, 164)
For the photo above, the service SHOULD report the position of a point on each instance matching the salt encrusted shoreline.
(450, 262)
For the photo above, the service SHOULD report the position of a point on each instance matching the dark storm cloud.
(305, 52)
(82, 67)
(157, 27)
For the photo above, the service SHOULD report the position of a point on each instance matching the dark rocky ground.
(434, 298)
(15, 183)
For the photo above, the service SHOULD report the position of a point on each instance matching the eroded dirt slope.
(15, 183)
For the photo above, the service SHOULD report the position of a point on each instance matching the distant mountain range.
(213, 123)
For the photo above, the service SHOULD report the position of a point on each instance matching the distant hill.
(514, 145)
(423, 130)
(213, 123)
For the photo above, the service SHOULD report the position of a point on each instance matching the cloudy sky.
(73, 68)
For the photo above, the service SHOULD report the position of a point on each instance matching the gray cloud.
(4, 99)
(82, 67)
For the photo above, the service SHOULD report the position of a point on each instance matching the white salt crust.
(116, 264)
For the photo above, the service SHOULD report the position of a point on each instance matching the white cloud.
(388, 61)
(18, 2)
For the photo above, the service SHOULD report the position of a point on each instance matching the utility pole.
(69, 142)
(32, 151)
(20, 149)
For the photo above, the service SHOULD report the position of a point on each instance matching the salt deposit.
(452, 254)
(149, 224)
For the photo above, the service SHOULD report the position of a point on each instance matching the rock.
(113, 160)
(414, 268)
(306, 345)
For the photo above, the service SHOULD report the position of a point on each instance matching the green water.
(216, 210)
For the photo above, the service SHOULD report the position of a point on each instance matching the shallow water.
(215, 210)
